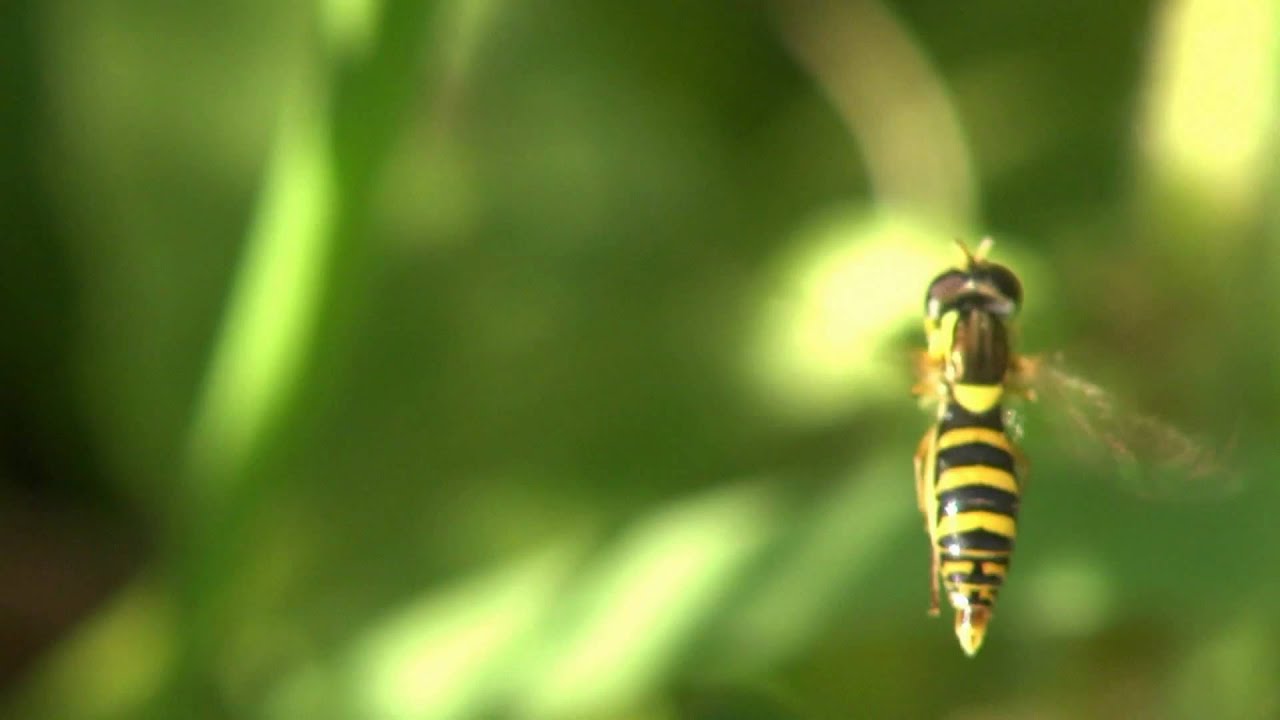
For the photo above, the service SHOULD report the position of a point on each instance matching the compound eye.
(943, 288)
(1003, 280)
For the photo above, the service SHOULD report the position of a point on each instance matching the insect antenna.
(976, 257)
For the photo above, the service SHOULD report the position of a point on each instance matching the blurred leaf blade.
(308, 229)
(552, 647)
(314, 201)
(634, 613)
(1213, 104)
(273, 310)
(892, 101)
(827, 560)
(112, 666)
(443, 657)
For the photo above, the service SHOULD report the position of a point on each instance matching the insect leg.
(1022, 467)
(923, 499)
(935, 570)
(922, 452)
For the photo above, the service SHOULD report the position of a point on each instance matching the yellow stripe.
(941, 335)
(993, 569)
(977, 398)
(966, 567)
(989, 521)
(958, 477)
(957, 566)
(964, 436)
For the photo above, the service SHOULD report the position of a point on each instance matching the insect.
(969, 471)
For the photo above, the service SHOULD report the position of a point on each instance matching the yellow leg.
(922, 501)
(922, 451)
(934, 571)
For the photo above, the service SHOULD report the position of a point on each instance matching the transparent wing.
(1147, 455)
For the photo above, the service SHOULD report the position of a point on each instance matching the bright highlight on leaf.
(273, 307)
(838, 302)
(439, 658)
(628, 621)
(350, 25)
(1212, 106)
(880, 80)
(822, 567)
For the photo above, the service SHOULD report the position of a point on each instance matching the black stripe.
(975, 579)
(977, 576)
(979, 539)
(979, 497)
(955, 416)
(975, 453)
(975, 595)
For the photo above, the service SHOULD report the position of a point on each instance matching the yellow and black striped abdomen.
(976, 490)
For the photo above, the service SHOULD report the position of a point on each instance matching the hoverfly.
(969, 471)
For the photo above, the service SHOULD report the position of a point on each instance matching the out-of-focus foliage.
(470, 359)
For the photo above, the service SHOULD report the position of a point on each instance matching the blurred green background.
(485, 359)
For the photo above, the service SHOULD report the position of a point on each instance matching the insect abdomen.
(977, 494)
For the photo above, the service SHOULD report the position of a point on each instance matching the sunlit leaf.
(1210, 127)
(626, 624)
(444, 656)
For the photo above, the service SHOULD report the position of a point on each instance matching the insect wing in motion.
(1146, 455)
